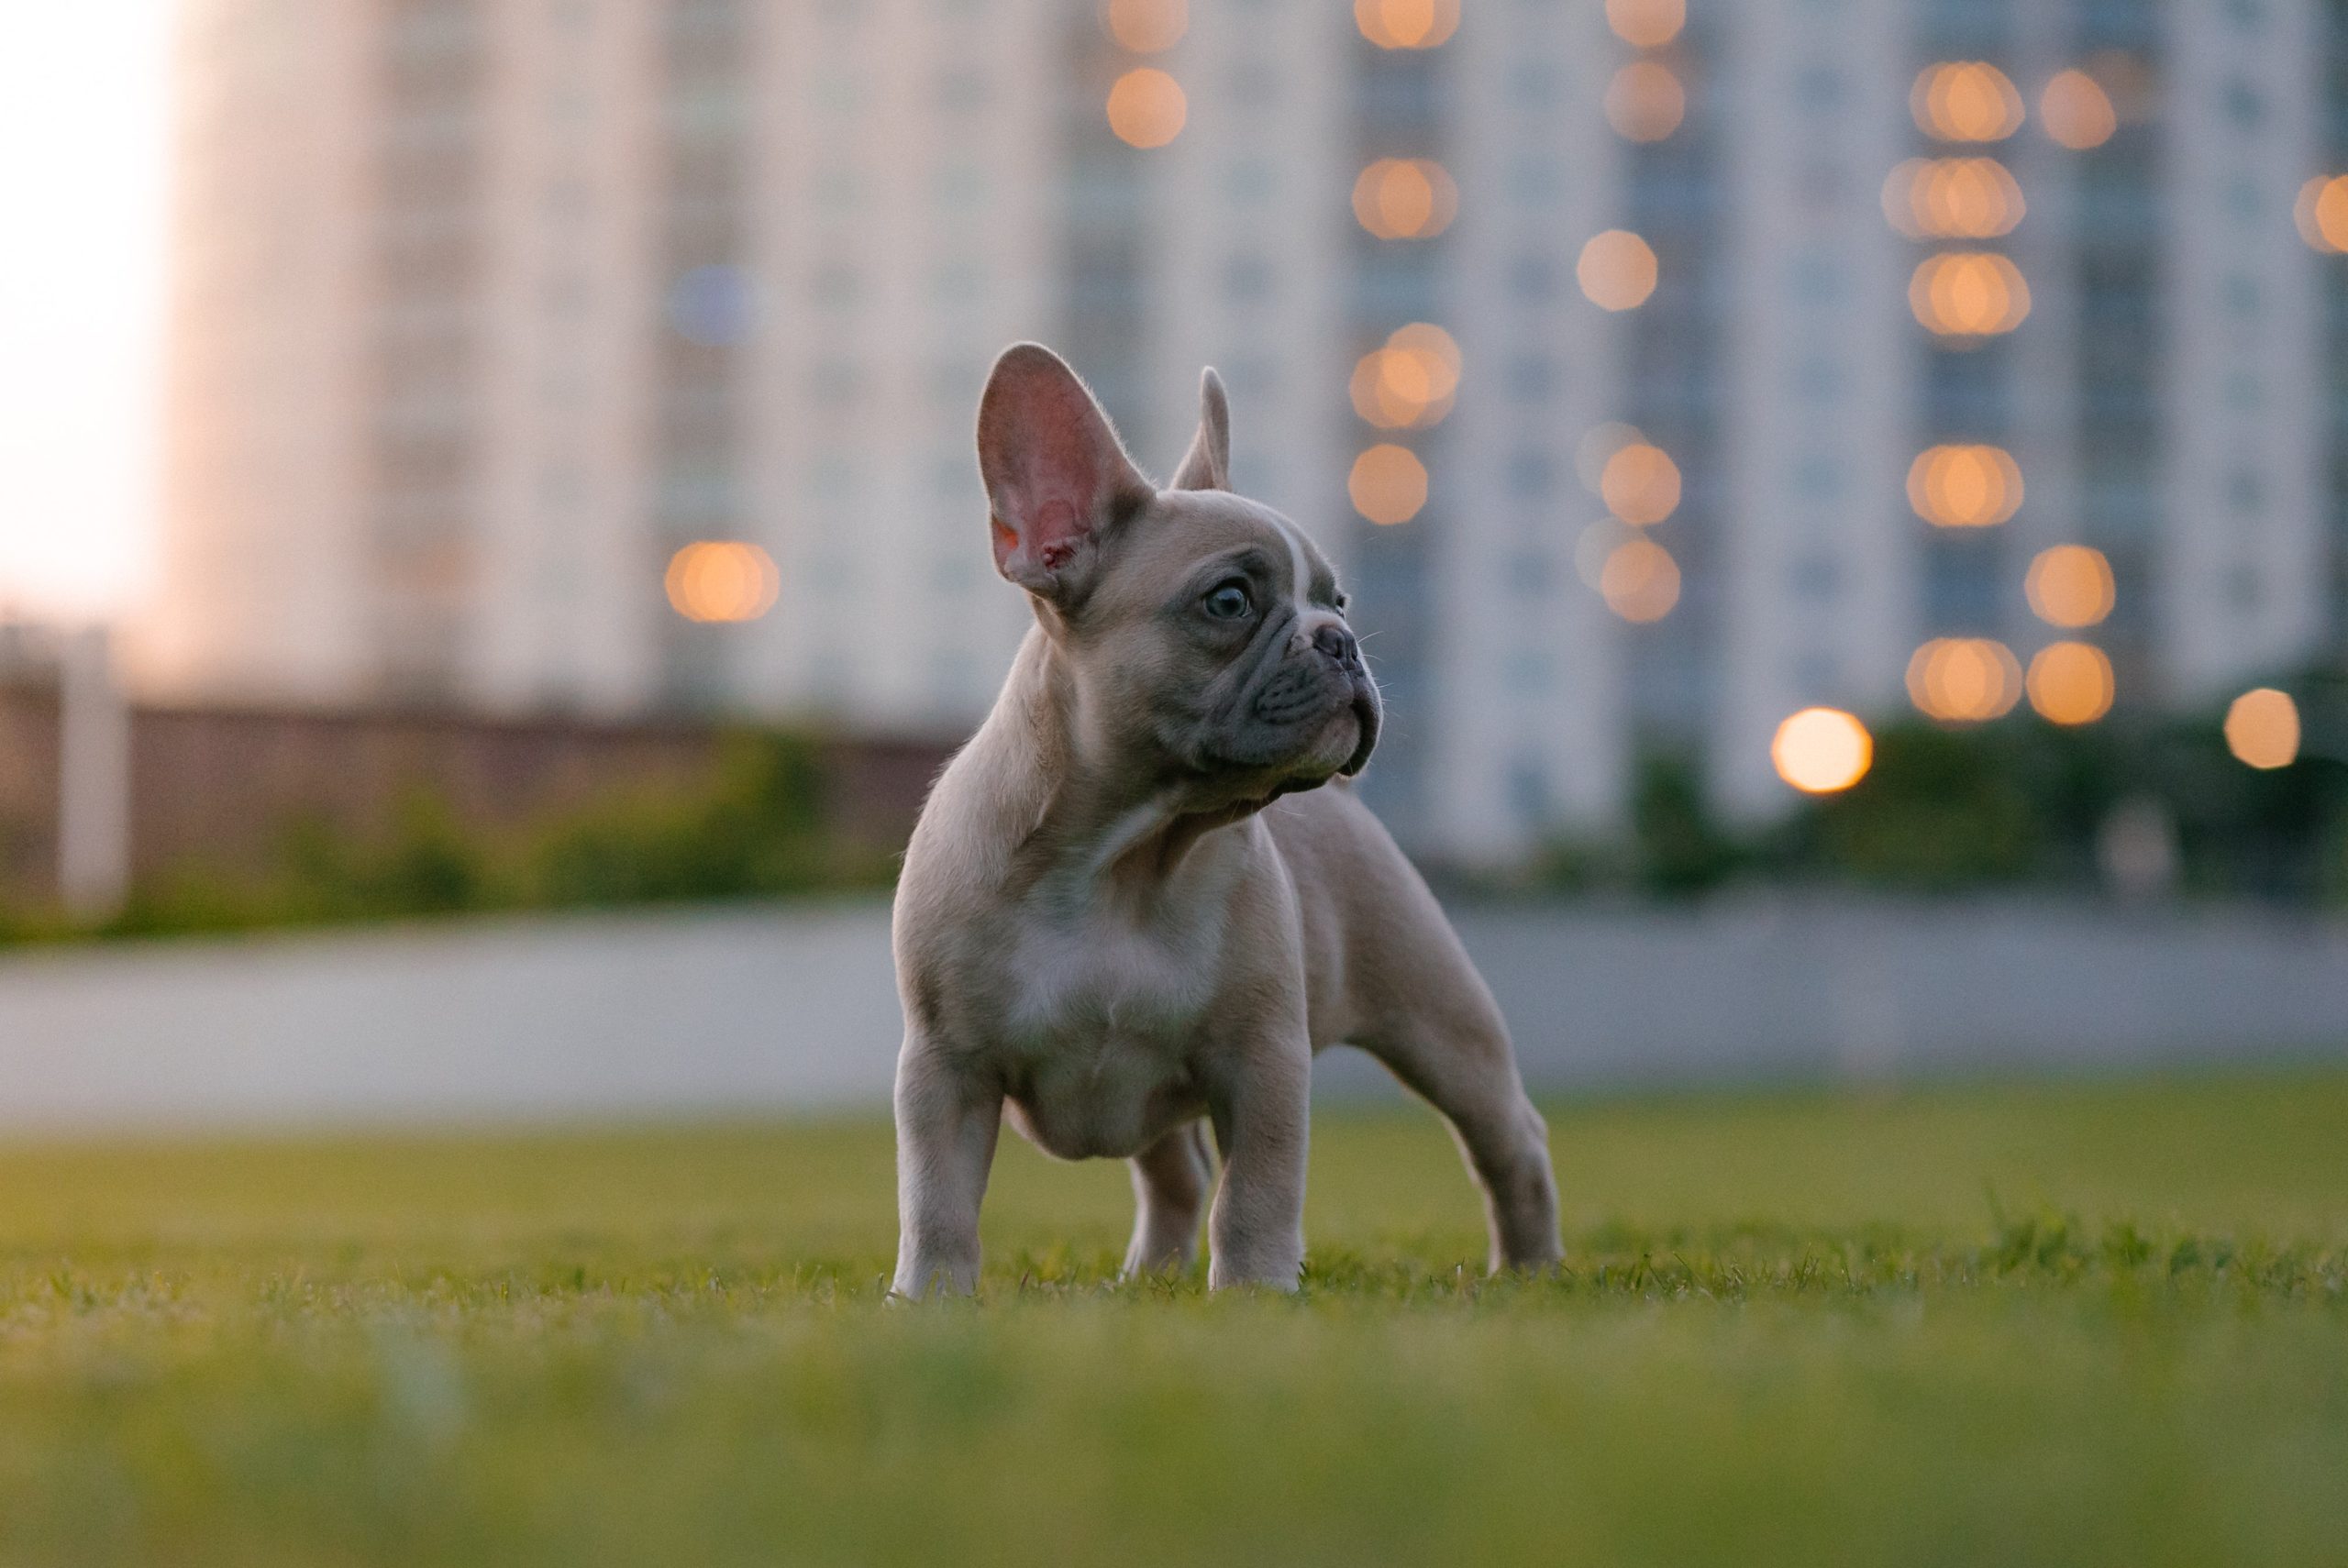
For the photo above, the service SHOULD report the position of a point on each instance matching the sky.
(83, 132)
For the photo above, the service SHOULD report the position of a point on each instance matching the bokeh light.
(1597, 542)
(1640, 581)
(1647, 24)
(1406, 23)
(2070, 586)
(717, 580)
(1965, 486)
(2263, 728)
(1597, 448)
(1146, 107)
(1388, 484)
(1645, 101)
(1146, 27)
(1617, 269)
(1640, 483)
(2070, 683)
(1410, 383)
(2076, 112)
(1965, 681)
(1965, 100)
(1968, 293)
(1952, 198)
(1822, 750)
(1405, 198)
(2322, 213)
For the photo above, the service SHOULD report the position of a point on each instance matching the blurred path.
(763, 1010)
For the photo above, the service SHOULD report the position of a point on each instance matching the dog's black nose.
(1338, 644)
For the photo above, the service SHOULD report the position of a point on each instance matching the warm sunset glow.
(1406, 23)
(1965, 101)
(2077, 111)
(1965, 681)
(1146, 27)
(1405, 198)
(1822, 750)
(83, 139)
(1617, 271)
(1410, 383)
(722, 580)
(2263, 728)
(2070, 586)
(1640, 484)
(1965, 486)
(2322, 213)
(1647, 24)
(2070, 683)
(1644, 102)
(1968, 293)
(1640, 581)
(1388, 484)
(1952, 198)
(1146, 107)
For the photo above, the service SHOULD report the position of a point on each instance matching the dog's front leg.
(1261, 1111)
(947, 1119)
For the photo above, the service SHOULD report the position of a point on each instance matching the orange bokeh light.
(1822, 750)
(1410, 383)
(1147, 26)
(2070, 586)
(2077, 111)
(1405, 198)
(1645, 101)
(1968, 293)
(1406, 23)
(1388, 484)
(2070, 683)
(1965, 100)
(2263, 729)
(1965, 486)
(2322, 213)
(1647, 24)
(1148, 109)
(1617, 269)
(1952, 198)
(720, 581)
(1640, 483)
(1965, 681)
(1640, 581)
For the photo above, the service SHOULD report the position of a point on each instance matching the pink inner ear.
(1048, 457)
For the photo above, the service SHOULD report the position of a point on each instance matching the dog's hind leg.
(1172, 1180)
(1450, 1047)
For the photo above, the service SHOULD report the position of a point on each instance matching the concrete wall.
(768, 1011)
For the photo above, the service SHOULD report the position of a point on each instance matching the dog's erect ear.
(1207, 466)
(1056, 475)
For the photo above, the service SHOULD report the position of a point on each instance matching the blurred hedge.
(2018, 802)
(759, 828)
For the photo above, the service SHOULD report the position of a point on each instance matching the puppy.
(1131, 906)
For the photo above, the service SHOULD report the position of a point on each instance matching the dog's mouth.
(1366, 716)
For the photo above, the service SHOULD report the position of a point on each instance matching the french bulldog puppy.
(1143, 896)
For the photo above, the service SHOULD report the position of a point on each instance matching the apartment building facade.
(1654, 370)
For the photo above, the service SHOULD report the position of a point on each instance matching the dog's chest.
(1102, 1031)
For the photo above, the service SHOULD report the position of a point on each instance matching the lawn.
(2085, 1323)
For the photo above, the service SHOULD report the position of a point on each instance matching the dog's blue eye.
(1229, 603)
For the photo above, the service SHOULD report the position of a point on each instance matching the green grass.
(2074, 1324)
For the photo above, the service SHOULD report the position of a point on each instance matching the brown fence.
(221, 787)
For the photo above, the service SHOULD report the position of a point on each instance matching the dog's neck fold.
(1105, 828)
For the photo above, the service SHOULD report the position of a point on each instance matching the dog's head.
(1207, 631)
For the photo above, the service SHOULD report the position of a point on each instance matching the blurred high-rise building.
(1654, 373)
